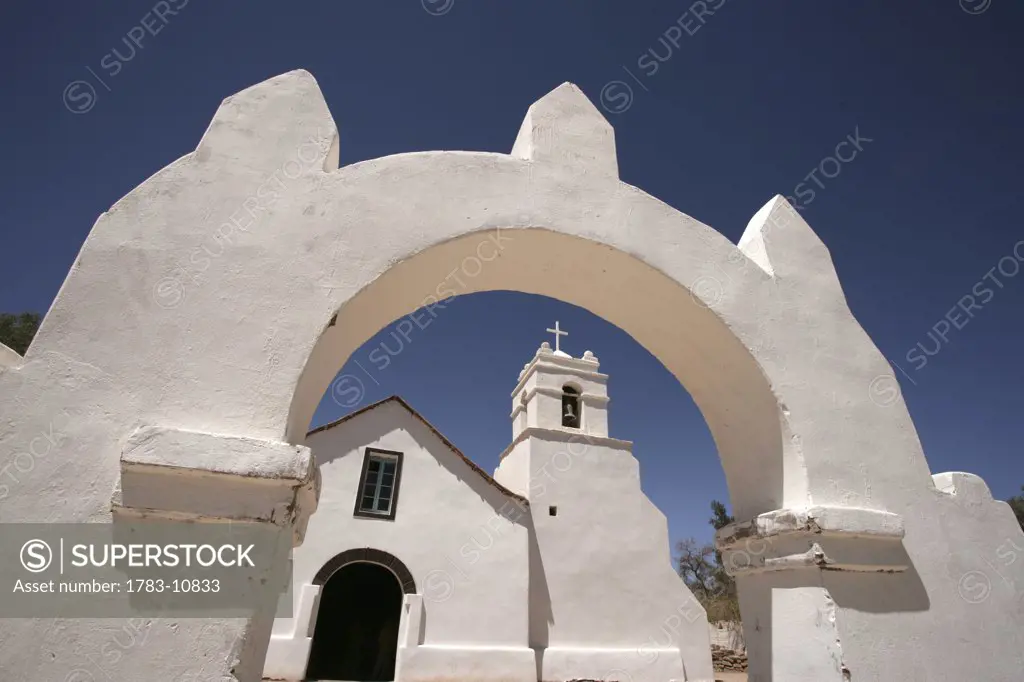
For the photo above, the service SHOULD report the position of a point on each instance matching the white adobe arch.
(213, 304)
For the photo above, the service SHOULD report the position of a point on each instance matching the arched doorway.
(356, 634)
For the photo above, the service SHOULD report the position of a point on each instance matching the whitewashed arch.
(213, 304)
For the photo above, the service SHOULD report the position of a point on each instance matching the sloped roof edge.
(451, 446)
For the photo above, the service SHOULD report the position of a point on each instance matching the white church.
(419, 564)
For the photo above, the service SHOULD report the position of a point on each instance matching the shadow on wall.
(882, 593)
(541, 616)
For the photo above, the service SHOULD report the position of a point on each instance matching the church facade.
(418, 565)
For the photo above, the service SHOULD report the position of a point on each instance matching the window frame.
(396, 487)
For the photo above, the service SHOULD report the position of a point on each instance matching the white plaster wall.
(513, 472)
(8, 357)
(464, 542)
(976, 571)
(550, 377)
(608, 598)
(238, 255)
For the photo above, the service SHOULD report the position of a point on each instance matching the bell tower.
(558, 392)
(592, 609)
(559, 422)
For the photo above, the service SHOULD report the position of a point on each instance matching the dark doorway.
(356, 634)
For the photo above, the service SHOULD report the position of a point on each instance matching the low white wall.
(728, 635)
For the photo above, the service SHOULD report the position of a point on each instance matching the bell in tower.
(570, 407)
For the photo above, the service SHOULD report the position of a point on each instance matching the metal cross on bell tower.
(558, 334)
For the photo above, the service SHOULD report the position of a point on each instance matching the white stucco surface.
(222, 294)
(8, 357)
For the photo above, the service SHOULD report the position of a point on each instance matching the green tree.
(727, 606)
(17, 331)
(1017, 505)
(720, 518)
(720, 515)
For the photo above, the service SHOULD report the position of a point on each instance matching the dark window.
(570, 407)
(378, 484)
(552, 511)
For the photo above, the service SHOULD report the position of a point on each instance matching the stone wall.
(727, 660)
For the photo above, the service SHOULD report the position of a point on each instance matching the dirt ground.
(730, 677)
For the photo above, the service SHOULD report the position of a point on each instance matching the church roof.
(451, 446)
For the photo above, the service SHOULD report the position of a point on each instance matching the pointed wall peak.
(284, 119)
(565, 128)
(781, 242)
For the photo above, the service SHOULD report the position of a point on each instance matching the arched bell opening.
(572, 407)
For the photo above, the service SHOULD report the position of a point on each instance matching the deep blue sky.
(742, 109)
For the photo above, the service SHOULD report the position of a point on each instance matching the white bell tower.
(592, 610)
(558, 392)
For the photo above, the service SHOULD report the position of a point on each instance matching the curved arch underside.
(720, 374)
